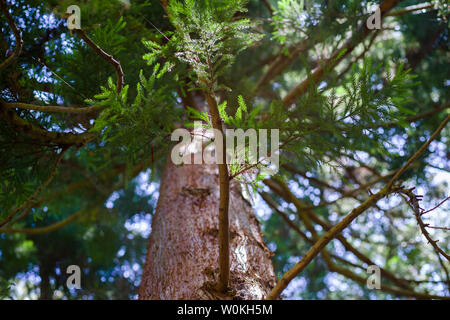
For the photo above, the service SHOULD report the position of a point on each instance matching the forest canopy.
(357, 92)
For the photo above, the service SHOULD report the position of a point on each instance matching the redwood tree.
(357, 91)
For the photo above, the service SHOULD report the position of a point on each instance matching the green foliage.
(150, 115)
(208, 38)
(355, 119)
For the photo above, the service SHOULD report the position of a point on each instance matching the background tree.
(85, 124)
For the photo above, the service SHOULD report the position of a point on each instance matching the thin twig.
(440, 228)
(418, 152)
(109, 58)
(415, 118)
(434, 208)
(38, 60)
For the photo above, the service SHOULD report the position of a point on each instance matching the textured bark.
(183, 250)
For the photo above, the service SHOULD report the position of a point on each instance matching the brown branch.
(280, 63)
(418, 211)
(224, 182)
(426, 46)
(317, 75)
(283, 215)
(62, 109)
(302, 207)
(418, 152)
(322, 242)
(406, 291)
(350, 193)
(401, 292)
(109, 58)
(37, 133)
(409, 9)
(362, 54)
(17, 36)
(50, 228)
(75, 186)
(313, 179)
(439, 228)
(164, 5)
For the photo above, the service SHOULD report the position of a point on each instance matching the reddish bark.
(183, 249)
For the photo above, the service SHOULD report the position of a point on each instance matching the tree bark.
(183, 251)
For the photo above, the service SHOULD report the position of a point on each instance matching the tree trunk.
(46, 291)
(182, 257)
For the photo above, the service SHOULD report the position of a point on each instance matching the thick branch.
(323, 241)
(418, 152)
(345, 272)
(61, 109)
(409, 9)
(302, 207)
(50, 228)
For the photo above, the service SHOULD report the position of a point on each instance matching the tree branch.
(415, 118)
(406, 291)
(418, 212)
(268, 6)
(302, 207)
(60, 138)
(418, 152)
(17, 36)
(332, 233)
(317, 75)
(38, 190)
(109, 58)
(224, 182)
(409, 9)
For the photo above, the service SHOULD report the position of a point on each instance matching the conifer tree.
(356, 114)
